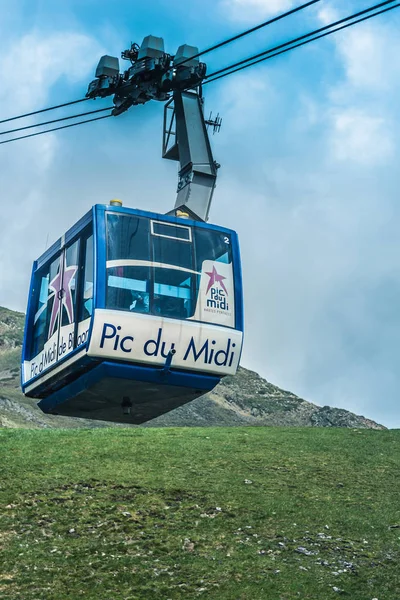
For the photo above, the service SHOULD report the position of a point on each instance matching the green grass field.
(227, 514)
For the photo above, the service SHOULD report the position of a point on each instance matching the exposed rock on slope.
(11, 329)
(246, 399)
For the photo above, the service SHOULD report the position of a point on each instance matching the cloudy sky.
(310, 152)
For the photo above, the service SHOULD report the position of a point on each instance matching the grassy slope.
(227, 514)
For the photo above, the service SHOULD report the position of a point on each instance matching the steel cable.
(307, 35)
(36, 112)
(91, 112)
(22, 137)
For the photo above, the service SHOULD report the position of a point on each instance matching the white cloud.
(251, 10)
(245, 95)
(34, 63)
(327, 14)
(30, 67)
(371, 56)
(360, 121)
(360, 137)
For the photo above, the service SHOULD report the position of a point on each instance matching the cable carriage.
(131, 313)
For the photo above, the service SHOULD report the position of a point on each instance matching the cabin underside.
(126, 394)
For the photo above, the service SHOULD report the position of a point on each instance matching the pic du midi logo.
(218, 292)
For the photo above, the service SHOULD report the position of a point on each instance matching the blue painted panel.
(28, 321)
(79, 226)
(158, 375)
(237, 275)
(108, 369)
(100, 256)
(93, 213)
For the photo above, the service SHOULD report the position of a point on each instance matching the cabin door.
(63, 288)
(62, 305)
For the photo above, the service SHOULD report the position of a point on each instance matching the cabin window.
(164, 269)
(212, 245)
(128, 288)
(69, 284)
(173, 293)
(173, 276)
(172, 252)
(86, 308)
(128, 268)
(127, 238)
(46, 314)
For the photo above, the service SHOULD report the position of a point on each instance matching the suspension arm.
(191, 147)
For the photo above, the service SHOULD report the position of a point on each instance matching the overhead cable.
(206, 51)
(302, 43)
(36, 112)
(91, 112)
(22, 137)
(244, 64)
(252, 30)
(304, 37)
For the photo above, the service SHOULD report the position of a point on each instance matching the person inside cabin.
(140, 302)
(170, 306)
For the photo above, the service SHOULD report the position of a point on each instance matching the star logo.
(61, 290)
(215, 278)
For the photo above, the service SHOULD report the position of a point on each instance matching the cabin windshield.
(177, 271)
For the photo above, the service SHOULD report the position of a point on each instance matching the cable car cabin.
(132, 314)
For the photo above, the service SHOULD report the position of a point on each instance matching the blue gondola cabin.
(132, 314)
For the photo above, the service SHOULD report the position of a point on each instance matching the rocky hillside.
(246, 399)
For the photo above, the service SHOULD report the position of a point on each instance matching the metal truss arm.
(191, 147)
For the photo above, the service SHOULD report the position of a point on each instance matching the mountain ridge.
(243, 399)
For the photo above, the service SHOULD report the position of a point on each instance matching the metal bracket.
(167, 365)
(214, 123)
(185, 139)
(126, 405)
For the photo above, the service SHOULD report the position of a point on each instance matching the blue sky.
(309, 150)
